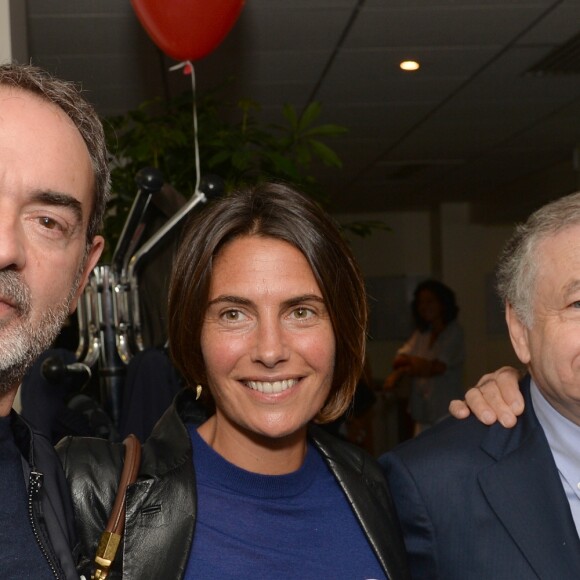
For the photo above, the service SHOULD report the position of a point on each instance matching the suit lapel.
(524, 490)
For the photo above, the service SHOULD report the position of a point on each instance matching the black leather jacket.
(50, 508)
(161, 505)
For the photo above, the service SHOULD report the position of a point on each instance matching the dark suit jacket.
(483, 502)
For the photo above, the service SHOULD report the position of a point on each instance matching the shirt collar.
(563, 438)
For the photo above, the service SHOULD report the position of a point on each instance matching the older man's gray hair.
(518, 263)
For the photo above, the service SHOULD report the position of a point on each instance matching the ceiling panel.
(456, 24)
(470, 125)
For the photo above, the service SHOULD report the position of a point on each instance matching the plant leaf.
(310, 114)
(325, 154)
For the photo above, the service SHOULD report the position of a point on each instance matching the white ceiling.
(470, 125)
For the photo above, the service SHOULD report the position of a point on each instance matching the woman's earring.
(198, 390)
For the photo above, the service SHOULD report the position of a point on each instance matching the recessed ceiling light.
(409, 65)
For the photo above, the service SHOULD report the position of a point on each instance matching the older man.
(54, 183)
(489, 502)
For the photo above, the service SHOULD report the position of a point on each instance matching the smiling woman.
(268, 313)
(268, 349)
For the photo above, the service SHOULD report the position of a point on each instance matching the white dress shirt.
(564, 440)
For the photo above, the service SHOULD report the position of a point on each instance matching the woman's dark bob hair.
(444, 295)
(276, 211)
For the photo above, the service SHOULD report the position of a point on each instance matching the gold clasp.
(108, 545)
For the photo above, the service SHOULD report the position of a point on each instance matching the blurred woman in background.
(433, 356)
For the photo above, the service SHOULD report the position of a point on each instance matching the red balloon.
(187, 29)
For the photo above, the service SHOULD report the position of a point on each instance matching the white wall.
(13, 33)
(404, 250)
(468, 254)
(5, 34)
(443, 244)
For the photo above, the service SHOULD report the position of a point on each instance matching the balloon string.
(187, 65)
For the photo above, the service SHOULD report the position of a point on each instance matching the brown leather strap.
(131, 464)
(111, 537)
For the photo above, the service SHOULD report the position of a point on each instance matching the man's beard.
(23, 340)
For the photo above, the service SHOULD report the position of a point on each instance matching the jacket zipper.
(35, 484)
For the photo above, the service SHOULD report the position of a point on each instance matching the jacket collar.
(23, 437)
(361, 485)
(169, 444)
(524, 489)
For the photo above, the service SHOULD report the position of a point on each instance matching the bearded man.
(54, 183)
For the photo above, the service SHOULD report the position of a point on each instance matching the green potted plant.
(233, 144)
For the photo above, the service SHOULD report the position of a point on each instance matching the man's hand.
(496, 397)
